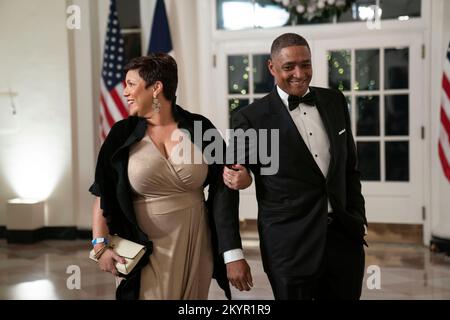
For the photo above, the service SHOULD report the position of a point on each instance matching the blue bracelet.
(99, 240)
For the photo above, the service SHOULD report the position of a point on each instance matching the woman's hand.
(107, 261)
(237, 178)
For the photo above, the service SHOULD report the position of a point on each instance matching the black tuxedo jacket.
(292, 204)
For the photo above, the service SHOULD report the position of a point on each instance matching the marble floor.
(50, 270)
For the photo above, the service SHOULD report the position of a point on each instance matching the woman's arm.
(99, 227)
(109, 258)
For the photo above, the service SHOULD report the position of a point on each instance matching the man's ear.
(271, 67)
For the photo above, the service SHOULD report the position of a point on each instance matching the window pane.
(234, 104)
(132, 45)
(349, 104)
(397, 161)
(238, 74)
(358, 11)
(390, 9)
(247, 14)
(396, 74)
(369, 160)
(262, 79)
(368, 116)
(129, 14)
(367, 69)
(400, 8)
(339, 69)
(397, 115)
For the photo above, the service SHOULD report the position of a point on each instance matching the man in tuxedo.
(311, 216)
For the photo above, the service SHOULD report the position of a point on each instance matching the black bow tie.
(294, 101)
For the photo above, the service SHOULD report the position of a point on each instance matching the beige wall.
(85, 70)
(35, 155)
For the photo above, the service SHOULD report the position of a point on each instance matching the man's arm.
(226, 218)
(236, 176)
(225, 204)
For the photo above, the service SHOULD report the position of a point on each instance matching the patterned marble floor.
(47, 270)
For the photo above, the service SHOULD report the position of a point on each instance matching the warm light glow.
(35, 290)
(23, 201)
(240, 15)
(270, 16)
(403, 18)
(33, 168)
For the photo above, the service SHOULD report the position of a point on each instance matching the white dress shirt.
(233, 255)
(310, 126)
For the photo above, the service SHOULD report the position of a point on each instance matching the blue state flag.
(160, 40)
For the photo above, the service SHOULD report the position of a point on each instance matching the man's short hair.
(287, 40)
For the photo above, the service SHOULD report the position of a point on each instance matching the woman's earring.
(156, 105)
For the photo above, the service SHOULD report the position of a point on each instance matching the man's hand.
(236, 178)
(239, 275)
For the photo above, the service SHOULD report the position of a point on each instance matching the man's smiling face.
(292, 69)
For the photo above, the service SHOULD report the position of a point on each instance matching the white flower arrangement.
(310, 9)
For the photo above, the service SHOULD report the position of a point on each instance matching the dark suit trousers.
(339, 277)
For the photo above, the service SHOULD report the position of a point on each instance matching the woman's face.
(138, 97)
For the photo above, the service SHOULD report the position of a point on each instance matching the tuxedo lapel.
(281, 118)
(324, 105)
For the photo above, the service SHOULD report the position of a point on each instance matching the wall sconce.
(25, 220)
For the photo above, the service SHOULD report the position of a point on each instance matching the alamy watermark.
(374, 279)
(73, 21)
(74, 280)
(249, 147)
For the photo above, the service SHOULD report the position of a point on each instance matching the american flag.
(113, 105)
(444, 136)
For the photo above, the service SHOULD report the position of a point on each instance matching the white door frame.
(395, 202)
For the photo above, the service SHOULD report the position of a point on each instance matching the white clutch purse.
(131, 251)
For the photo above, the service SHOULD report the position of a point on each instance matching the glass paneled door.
(248, 79)
(244, 78)
(383, 82)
